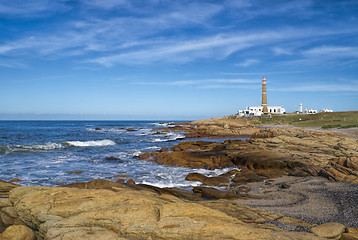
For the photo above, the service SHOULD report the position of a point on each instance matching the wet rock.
(213, 193)
(17, 232)
(195, 177)
(131, 129)
(98, 128)
(329, 230)
(112, 158)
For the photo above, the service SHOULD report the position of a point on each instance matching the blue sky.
(161, 59)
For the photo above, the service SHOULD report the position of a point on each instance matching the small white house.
(257, 111)
(325, 110)
(311, 111)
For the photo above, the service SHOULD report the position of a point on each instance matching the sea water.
(52, 153)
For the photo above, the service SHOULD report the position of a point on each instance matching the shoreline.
(267, 195)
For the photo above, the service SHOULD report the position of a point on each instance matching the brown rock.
(213, 193)
(17, 232)
(349, 236)
(130, 181)
(121, 176)
(164, 149)
(5, 188)
(195, 177)
(352, 230)
(4, 202)
(329, 230)
(247, 176)
(125, 213)
(15, 180)
(216, 181)
(121, 180)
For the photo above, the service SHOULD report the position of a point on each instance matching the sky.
(174, 60)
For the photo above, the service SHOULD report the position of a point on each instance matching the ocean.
(52, 153)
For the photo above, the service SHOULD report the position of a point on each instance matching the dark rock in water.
(195, 177)
(111, 158)
(98, 129)
(156, 133)
(15, 180)
(121, 176)
(132, 129)
(75, 172)
(130, 182)
(213, 193)
(216, 181)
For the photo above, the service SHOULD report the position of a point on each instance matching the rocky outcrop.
(215, 128)
(17, 232)
(120, 212)
(272, 153)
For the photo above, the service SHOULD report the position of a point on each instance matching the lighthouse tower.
(264, 97)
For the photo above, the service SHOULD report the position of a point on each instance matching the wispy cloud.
(247, 62)
(31, 8)
(332, 51)
(207, 83)
(321, 87)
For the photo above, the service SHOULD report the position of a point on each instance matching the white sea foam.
(96, 143)
(172, 184)
(39, 147)
(169, 137)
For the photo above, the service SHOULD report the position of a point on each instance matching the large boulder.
(329, 230)
(17, 232)
(125, 213)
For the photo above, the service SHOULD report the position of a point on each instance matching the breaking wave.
(169, 137)
(96, 143)
(52, 146)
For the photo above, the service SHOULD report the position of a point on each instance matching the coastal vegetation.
(338, 120)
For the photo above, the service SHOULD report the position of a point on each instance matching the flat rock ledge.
(122, 212)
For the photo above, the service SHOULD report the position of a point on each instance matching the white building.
(325, 110)
(257, 111)
(311, 111)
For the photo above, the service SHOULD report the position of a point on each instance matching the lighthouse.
(264, 97)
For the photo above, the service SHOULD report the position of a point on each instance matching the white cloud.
(247, 62)
(281, 51)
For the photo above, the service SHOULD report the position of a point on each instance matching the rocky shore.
(282, 183)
